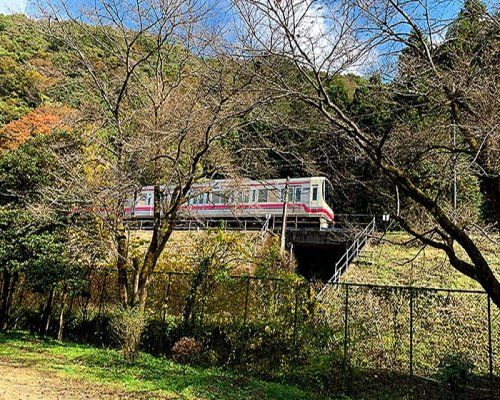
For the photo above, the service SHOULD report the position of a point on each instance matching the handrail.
(364, 233)
(350, 254)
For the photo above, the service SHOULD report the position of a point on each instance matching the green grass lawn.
(389, 263)
(157, 376)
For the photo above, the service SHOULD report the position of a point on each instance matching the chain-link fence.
(275, 324)
(412, 329)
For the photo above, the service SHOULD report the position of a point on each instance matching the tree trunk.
(61, 315)
(45, 322)
(162, 230)
(135, 285)
(490, 186)
(122, 261)
(144, 275)
(4, 311)
(149, 264)
(9, 282)
(188, 314)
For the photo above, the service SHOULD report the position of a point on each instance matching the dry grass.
(389, 263)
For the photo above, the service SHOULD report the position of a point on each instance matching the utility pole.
(454, 175)
(454, 160)
(283, 219)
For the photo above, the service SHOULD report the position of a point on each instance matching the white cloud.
(12, 6)
(324, 34)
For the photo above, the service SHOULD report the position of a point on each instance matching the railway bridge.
(321, 253)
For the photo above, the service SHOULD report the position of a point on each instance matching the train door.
(315, 194)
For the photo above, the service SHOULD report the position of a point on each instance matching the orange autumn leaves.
(40, 121)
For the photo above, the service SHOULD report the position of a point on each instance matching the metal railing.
(350, 254)
(268, 223)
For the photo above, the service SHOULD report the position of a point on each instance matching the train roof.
(263, 182)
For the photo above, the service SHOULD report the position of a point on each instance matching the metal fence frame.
(411, 290)
(102, 299)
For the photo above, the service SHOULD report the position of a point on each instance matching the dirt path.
(22, 382)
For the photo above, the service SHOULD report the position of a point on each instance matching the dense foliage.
(88, 116)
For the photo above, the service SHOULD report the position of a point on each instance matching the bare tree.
(320, 41)
(160, 102)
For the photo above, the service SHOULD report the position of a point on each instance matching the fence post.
(411, 332)
(164, 315)
(490, 347)
(295, 308)
(167, 294)
(346, 327)
(203, 300)
(247, 289)
(101, 297)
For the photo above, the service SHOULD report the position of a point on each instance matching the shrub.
(455, 370)
(159, 335)
(127, 327)
(186, 350)
(96, 331)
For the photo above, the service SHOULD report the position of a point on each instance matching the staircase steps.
(354, 251)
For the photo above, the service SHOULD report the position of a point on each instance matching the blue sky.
(15, 6)
(12, 6)
(446, 9)
(439, 10)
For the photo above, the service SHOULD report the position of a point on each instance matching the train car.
(245, 199)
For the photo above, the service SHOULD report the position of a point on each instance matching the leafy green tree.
(35, 239)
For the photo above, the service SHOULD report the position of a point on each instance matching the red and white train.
(246, 199)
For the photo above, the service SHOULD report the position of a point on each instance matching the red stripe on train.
(278, 206)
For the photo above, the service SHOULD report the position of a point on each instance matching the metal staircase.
(350, 255)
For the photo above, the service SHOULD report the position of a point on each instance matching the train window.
(148, 198)
(216, 198)
(273, 195)
(201, 198)
(262, 195)
(315, 193)
(254, 196)
(246, 196)
(298, 193)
